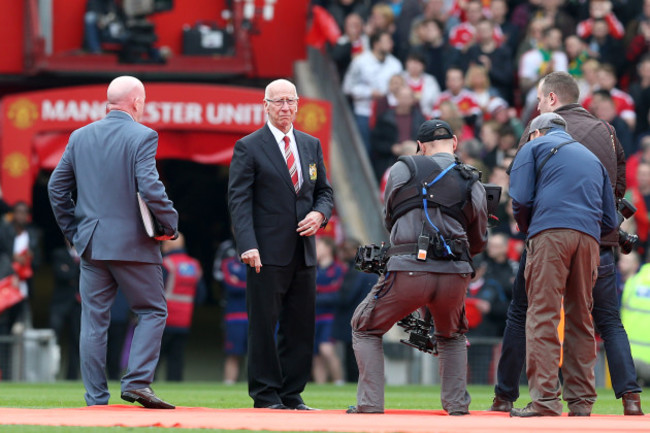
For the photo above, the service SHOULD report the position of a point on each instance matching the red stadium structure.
(49, 85)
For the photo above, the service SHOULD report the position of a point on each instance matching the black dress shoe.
(571, 413)
(500, 405)
(303, 406)
(632, 403)
(147, 398)
(276, 406)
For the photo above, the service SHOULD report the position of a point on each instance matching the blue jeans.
(607, 321)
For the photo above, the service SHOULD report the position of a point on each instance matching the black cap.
(434, 129)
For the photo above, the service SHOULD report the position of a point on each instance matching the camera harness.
(451, 198)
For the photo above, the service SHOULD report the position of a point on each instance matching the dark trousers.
(173, 350)
(283, 296)
(606, 319)
(66, 316)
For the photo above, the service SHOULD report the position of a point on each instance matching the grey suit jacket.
(106, 162)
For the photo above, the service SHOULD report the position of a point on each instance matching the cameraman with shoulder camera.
(558, 92)
(436, 211)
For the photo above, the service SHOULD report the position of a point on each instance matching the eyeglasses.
(280, 102)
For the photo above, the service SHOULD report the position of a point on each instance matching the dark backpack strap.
(551, 153)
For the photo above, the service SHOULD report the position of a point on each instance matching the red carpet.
(326, 420)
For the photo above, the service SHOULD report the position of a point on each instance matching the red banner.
(195, 122)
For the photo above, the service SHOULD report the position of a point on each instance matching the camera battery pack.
(423, 246)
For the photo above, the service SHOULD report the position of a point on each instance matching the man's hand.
(252, 259)
(311, 223)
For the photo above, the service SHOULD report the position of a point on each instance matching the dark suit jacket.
(107, 162)
(264, 208)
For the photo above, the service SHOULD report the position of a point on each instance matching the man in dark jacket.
(558, 92)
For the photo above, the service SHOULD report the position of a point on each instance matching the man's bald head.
(127, 94)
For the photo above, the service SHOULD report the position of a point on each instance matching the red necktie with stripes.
(291, 164)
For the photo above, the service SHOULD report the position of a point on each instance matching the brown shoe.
(632, 403)
(500, 405)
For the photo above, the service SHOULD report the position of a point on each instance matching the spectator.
(547, 57)
(367, 80)
(600, 9)
(633, 161)
(623, 101)
(438, 11)
(590, 70)
(382, 19)
(424, 86)
(523, 12)
(463, 98)
(342, 9)
(502, 269)
(494, 58)
(449, 113)
(405, 12)
(351, 43)
(499, 111)
(487, 300)
(639, 90)
(477, 81)
(355, 287)
(389, 100)
(329, 278)
(553, 12)
(392, 128)
(627, 266)
(603, 46)
(438, 55)
(576, 51)
(230, 272)
(499, 16)
(489, 135)
(184, 288)
(533, 36)
(603, 107)
(104, 22)
(633, 27)
(639, 195)
(22, 240)
(462, 35)
(65, 307)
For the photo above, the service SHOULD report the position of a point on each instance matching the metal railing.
(32, 355)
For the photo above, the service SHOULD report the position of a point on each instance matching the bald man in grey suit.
(107, 162)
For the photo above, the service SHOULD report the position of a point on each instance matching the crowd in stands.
(476, 64)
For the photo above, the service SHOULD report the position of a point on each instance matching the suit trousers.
(607, 319)
(395, 296)
(561, 263)
(282, 298)
(142, 285)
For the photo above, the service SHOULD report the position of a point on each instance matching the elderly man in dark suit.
(107, 162)
(278, 197)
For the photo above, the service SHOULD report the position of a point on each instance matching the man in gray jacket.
(434, 234)
(106, 163)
